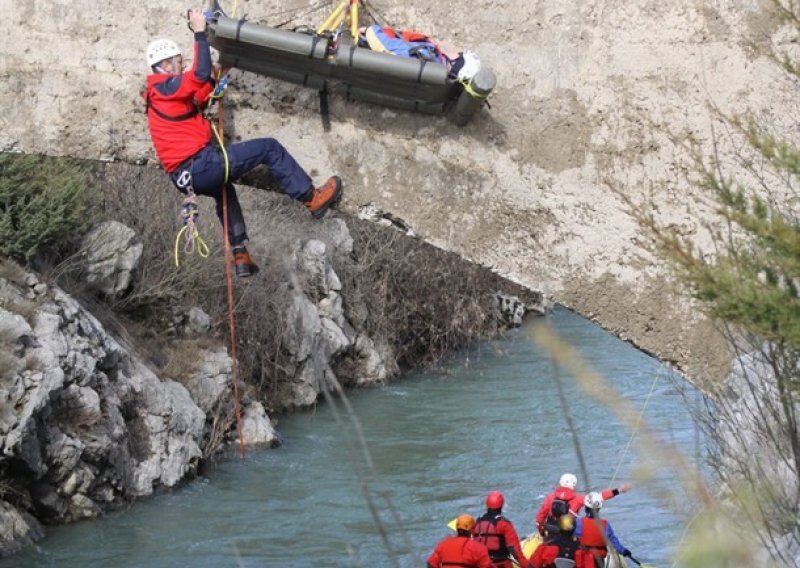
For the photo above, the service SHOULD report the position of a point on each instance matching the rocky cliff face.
(86, 424)
(586, 93)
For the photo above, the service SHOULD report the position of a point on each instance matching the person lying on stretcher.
(461, 65)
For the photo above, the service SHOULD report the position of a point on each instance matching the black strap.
(148, 105)
(314, 41)
(422, 64)
(324, 108)
(239, 25)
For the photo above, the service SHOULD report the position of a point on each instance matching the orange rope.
(231, 317)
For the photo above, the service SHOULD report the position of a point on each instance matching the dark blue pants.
(207, 170)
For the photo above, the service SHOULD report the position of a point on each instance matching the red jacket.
(498, 535)
(574, 500)
(545, 557)
(460, 551)
(176, 126)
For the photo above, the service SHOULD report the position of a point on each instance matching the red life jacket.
(486, 532)
(177, 127)
(593, 536)
(452, 552)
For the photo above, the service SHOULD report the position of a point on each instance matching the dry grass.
(12, 271)
(183, 358)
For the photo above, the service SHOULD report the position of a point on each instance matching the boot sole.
(248, 273)
(337, 196)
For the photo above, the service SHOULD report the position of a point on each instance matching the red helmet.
(494, 500)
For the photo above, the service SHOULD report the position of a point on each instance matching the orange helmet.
(465, 522)
(495, 500)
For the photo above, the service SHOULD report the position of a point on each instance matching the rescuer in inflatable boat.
(562, 544)
(498, 534)
(185, 145)
(589, 531)
(564, 499)
(460, 550)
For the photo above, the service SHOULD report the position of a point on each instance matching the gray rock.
(304, 326)
(316, 263)
(510, 310)
(18, 529)
(257, 430)
(210, 383)
(112, 252)
(340, 235)
(194, 323)
(372, 368)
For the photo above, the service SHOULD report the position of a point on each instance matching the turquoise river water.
(437, 441)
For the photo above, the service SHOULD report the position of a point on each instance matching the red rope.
(231, 309)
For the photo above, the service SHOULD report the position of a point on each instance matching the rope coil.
(192, 241)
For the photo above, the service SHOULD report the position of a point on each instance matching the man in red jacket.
(498, 534)
(562, 544)
(565, 500)
(186, 147)
(460, 550)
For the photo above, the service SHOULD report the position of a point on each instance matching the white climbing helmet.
(472, 64)
(594, 500)
(568, 480)
(160, 49)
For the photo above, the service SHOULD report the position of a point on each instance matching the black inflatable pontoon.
(310, 60)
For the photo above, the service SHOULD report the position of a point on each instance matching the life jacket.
(406, 43)
(561, 505)
(593, 536)
(558, 508)
(452, 552)
(486, 532)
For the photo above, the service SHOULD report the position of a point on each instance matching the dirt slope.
(524, 188)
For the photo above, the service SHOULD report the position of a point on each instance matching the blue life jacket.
(405, 43)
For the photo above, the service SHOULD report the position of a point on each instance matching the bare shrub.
(144, 200)
(25, 308)
(221, 423)
(9, 363)
(12, 271)
(183, 358)
(426, 301)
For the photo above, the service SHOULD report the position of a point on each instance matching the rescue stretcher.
(335, 64)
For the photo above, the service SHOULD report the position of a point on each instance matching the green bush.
(45, 203)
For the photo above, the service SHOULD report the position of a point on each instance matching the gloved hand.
(626, 553)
